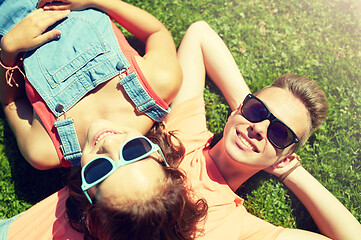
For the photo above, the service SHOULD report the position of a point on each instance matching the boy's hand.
(285, 165)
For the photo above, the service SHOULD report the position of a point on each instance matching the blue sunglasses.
(98, 169)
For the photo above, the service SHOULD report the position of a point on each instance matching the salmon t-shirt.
(227, 217)
(45, 220)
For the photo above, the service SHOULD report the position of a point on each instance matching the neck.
(234, 173)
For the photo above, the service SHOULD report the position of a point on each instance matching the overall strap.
(69, 140)
(141, 99)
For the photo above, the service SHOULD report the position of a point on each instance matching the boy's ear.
(285, 161)
(233, 113)
(236, 110)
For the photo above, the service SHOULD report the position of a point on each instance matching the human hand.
(74, 5)
(30, 33)
(286, 166)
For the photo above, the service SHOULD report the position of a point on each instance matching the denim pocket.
(72, 52)
(87, 54)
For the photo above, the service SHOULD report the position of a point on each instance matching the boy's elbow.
(169, 83)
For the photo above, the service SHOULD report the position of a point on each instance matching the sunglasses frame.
(272, 119)
(117, 164)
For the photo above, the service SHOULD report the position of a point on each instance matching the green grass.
(320, 39)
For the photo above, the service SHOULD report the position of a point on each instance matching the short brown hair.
(310, 93)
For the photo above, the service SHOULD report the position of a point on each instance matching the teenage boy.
(262, 133)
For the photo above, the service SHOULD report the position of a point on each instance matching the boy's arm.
(203, 52)
(329, 214)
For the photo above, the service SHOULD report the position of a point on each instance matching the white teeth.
(103, 135)
(245, 142)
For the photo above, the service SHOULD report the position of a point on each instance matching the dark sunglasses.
(278, 133)
(98, 169)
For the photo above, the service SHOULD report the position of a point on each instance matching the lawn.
(320, 39)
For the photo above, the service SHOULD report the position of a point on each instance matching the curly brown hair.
(173, 212)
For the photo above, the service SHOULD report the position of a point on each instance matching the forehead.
(286, 107)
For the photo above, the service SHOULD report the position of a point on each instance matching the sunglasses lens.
(97, 169)
(280, 135)
(254, 110)
(136, 148)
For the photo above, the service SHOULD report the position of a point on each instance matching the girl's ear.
(287, 160)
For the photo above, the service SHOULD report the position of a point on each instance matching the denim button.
(59, 108)
(119, 66)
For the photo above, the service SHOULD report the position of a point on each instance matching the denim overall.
(66, 69)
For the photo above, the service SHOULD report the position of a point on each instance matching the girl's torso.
(102, 97)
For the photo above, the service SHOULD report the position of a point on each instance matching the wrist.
(7, 56)
(6, 60)
(284, 175)
(10, 65)
(94, 4)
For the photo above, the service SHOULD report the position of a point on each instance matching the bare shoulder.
(163, 73)
(38, 148)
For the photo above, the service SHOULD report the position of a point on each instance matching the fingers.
(46, 37)
(42, 3)
(57, 7)
(43, 17)
(47, 19)
(60, 5)
(35, 12)
(30, 32)
(51, 17)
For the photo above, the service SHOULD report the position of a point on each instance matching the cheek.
(84, 159)
(226, 127)
(235, 120)
(271, 153)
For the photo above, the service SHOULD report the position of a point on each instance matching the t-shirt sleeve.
(187, 121)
